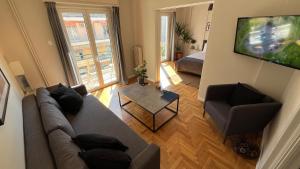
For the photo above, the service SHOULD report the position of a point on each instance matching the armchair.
(247, 117)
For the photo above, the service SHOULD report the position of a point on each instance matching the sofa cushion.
(64, 151)
(243, 94)
(53, 119)
(70, 103)
(69, 100)
(58, 91)
(219, 111)
(43, 96)
(102, 121)
(93, 141)
(106, 159)
(35, 138)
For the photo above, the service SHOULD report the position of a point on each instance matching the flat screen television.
(275, 39)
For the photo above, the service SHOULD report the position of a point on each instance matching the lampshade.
(16, 68)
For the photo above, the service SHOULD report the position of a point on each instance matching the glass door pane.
(164, 32)
(101, 30)
(81, 49)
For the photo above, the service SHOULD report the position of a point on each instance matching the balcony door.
(165, 25)
(88, 33)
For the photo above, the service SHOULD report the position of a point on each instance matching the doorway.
(88, 34)
(182, 55)
(165, 32)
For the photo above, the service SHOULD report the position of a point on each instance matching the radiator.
(138, 55)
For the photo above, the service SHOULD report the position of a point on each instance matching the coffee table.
(151, 99)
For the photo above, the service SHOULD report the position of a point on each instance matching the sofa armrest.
(147, 159)
(81, 89)
(250, 118)
(219, 92)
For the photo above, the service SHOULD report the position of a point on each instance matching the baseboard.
(201, 99)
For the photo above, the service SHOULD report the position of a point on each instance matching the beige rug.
(189, 79)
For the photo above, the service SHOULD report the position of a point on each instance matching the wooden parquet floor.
(188, 141)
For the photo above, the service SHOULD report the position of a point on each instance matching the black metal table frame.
(153, 129)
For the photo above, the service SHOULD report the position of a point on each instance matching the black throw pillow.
(94, 141)
(105, 158)
(244, 95)
(69, 100)
(59, 91)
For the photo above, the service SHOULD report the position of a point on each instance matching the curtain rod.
(83, 3)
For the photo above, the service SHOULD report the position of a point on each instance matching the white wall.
(195, 17)
(14, 47)
(11, 133)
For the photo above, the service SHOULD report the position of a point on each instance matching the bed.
(191, 64)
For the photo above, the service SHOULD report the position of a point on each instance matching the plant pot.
(178, 55)
(141, 80)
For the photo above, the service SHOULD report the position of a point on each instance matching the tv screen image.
(275, 39)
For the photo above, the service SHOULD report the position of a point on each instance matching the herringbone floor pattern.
(188, 141)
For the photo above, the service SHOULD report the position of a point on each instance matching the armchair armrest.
(147, 159)
(81, 89)
(250, 118)
(219, 92)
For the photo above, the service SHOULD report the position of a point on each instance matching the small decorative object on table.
(141, 72)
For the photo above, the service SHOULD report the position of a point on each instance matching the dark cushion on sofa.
(218, 112)
(43, 96)
(53, 119)
(243, 94)
(93, 141)
(58, 91)
(68, 99)
(70, 102)
(64, 151)
(106, 159)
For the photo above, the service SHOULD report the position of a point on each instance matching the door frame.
(86, 10)
(168, 49)
(157, 41)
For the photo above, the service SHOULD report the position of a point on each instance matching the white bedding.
(198, 55)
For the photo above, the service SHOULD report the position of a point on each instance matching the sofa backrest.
(52, 117)
(35, 139)
(64, 151)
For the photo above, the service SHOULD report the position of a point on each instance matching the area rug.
(189, 79)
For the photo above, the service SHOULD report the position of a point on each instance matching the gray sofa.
(48, 133)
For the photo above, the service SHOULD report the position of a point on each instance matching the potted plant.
(141, 72)
(184, 37)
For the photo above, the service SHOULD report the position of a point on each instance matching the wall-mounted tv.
(275, 39)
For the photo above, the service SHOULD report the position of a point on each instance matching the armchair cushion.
(219, 112)
(243, 94)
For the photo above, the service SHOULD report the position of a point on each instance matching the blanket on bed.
(190, 65)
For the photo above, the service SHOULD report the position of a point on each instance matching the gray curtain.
(119, 46)
(61, 43)
(172, 36)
